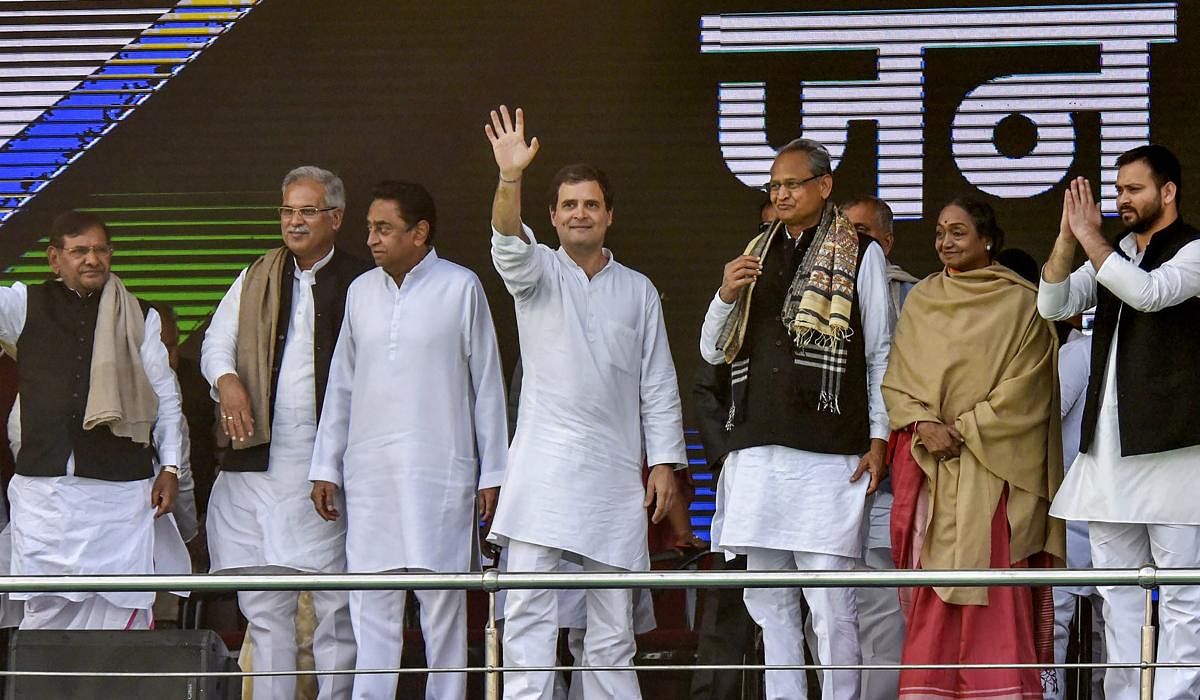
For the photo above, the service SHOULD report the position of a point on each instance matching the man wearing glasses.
(806, 419)
(267, 354)
(95, 390)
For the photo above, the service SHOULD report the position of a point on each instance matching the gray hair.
(818, 156)
(882, 209)
(335, 191)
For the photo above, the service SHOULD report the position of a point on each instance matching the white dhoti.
(789, 509)
(378, 618)
(880, 622)
(531, 632)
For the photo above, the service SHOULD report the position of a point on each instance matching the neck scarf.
(816, 309)
(120, 394)
(258, 316)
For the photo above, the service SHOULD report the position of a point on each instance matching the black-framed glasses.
(79, 252)
(790, 185)
(286, 213)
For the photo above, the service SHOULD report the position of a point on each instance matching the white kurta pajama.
(598, 394)
(792, 509)
(265, 521)
(1139, 508)
(412, 427)
(68, 524)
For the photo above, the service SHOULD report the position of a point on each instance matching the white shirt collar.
(297, 272)
(419, 269)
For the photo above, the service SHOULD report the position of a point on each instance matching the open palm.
(512, 154)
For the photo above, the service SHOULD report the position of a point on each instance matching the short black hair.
(413, 201)
(74, 222)
(984, 218)
(580, 172)
(1164, 166)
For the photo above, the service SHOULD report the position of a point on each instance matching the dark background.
(375, 90)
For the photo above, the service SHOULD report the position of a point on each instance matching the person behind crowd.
(871, 216)
(880, 622)
(266, 354)
(1134, 479)
(1074, 362)
(976, 458)
(415, 443)
(185, 503)
(98, 401)
(809, 351)
(599, 392)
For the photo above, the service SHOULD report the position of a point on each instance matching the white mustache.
(299, 229)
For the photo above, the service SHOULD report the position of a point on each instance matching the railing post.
(1148, 639)
(491, 649)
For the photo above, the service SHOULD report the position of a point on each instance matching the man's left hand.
(660, 490)
(163, 493)
(485, 504)
(873, 462)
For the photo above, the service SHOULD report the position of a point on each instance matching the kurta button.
(774, 370)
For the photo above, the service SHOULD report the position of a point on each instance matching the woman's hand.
(942, 440)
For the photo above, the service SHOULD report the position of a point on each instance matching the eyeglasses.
(79, 252)
(773, 186)
(286, 213)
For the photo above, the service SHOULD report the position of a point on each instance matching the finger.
(519, 120)
(489, 509)
(506, 118)
(874, 485)
(533, 147)
(666, 498)
(862, 469)
(499, 128)
(487, 129)
(650, 492)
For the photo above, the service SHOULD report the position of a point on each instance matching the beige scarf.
(120, 395)
(971, 349)
(258, 317)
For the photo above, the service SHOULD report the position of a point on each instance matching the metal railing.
(493, 581)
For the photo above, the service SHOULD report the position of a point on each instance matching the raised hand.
(512, 154)
(739, 272)
(1082, 211)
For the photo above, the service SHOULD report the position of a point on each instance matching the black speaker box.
(155, 651)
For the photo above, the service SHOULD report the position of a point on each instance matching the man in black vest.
(98, 402)
(267, 353)
(802, 320)
(1134, 480)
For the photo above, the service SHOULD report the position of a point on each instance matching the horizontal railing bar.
(650, 668)
(491, 580)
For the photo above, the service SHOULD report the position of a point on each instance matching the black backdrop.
(376, 90)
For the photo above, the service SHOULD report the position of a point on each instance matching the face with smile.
(310, 238)
(396, 245)
(84, 261)
(958, 242)
(1142, 204)
(796, 194)
(580, 216)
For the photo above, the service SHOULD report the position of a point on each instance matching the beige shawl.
(970, 348)
(258, 316)
(120, 394)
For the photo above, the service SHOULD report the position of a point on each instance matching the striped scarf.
(816, 310)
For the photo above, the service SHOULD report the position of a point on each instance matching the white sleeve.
(167, 439)
(13, 301)
(185, 502)
(333, 430)
(710, 332)
(1057, 301)
(662, 417)
(1074, 361)
(1170, 284)
(218, 354)
(487, 383)
(520, 264)
(875, 312)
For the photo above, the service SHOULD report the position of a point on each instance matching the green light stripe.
(198, 207)
(195, 222)
(234, 267)
(186, 238)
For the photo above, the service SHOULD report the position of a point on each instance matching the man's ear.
(421, 233)
(53, 255)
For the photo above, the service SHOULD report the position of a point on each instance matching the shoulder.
(349, 265)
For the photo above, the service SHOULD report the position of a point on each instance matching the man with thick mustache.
(267, 354)
(1134, 480)
(802, 320)
(98, 401)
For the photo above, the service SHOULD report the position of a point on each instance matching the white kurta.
(1102, 485)
(77, 525)
(266, 518)
(598, 393)
(414, 417)
(777, 497)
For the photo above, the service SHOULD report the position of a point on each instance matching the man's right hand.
(739, 272)
(512, 154)
(237, 420)
(323, 494)
(940, 440)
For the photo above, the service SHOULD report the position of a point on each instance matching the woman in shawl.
(976, 458)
